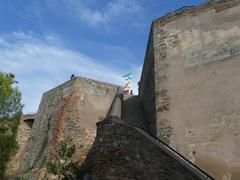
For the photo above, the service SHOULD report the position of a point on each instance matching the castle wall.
(70, 110)
(124, 152)
(23, 134)
(147, 87)
(196, 68)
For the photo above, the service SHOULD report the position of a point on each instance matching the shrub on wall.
(64, 166)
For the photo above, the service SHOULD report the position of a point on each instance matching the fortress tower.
(190, 85)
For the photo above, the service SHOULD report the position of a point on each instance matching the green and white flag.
(128, 76)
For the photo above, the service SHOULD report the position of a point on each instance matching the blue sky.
(43, 42)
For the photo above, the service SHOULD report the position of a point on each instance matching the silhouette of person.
(72, 76)
(131, 93)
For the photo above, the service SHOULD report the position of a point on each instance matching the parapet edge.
(70, 81)
(217, 5)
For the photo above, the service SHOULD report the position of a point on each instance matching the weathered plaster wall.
(196, 64)
(69, 110)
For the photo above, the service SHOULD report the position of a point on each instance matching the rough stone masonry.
(185, 123)
(69, 110)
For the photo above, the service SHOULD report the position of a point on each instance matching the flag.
(128, 86)
(127, 77)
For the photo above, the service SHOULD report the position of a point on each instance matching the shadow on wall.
(133, 113)
(29, 122)
(108, 158)
(121, 151)
(147, 86)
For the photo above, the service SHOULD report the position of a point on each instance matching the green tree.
(10, 113)
(10, 97)
(63, 166)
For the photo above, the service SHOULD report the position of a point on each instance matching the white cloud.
(97, 14)
(41, 63)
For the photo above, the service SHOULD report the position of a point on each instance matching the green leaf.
(10, 113)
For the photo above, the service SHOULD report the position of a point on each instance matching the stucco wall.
(69, 110)
(197, 62)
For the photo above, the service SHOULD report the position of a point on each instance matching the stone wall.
(23, 134)
(124, 152)
(196, 71)
(147, 87)
(69, 110)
